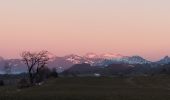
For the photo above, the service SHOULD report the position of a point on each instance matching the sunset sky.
(127, 27)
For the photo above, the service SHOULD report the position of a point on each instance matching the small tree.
(35, 61)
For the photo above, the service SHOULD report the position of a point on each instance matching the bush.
(42, 75)
(23, 83)
(1, 83)
(54, 73)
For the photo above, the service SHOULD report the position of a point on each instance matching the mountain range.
(65, 62)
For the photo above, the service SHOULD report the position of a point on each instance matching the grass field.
(130, 88)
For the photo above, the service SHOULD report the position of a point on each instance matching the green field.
(117, 88)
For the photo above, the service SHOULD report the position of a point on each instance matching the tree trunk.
(31, 79)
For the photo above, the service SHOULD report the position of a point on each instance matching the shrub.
(1, 83)
(54, 73)
(23, 83)
(42, 75)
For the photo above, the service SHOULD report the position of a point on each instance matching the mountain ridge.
(65, 62)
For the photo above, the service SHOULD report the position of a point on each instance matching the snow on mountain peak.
(111, 56)
(91, 55)
(104, 56)
(73, 58)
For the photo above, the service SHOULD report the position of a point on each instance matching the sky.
(127, 27)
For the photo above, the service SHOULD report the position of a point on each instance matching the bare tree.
(35, 61)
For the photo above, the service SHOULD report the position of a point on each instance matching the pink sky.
(128, 27)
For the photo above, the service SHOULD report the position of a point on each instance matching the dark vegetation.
(117, 70)
(91, 88)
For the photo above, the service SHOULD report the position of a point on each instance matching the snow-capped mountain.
(91, 56)
(65, 62)
(125, 60)
(165, 60)
(135, 60)
(69, 60)
(96, 60)
(74, 59)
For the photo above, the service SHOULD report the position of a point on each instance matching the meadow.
(91, 88)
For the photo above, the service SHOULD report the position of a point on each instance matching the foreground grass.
(131, 88)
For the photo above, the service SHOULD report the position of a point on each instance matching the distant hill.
(113, 69)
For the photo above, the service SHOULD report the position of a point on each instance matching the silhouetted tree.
(35, 61)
